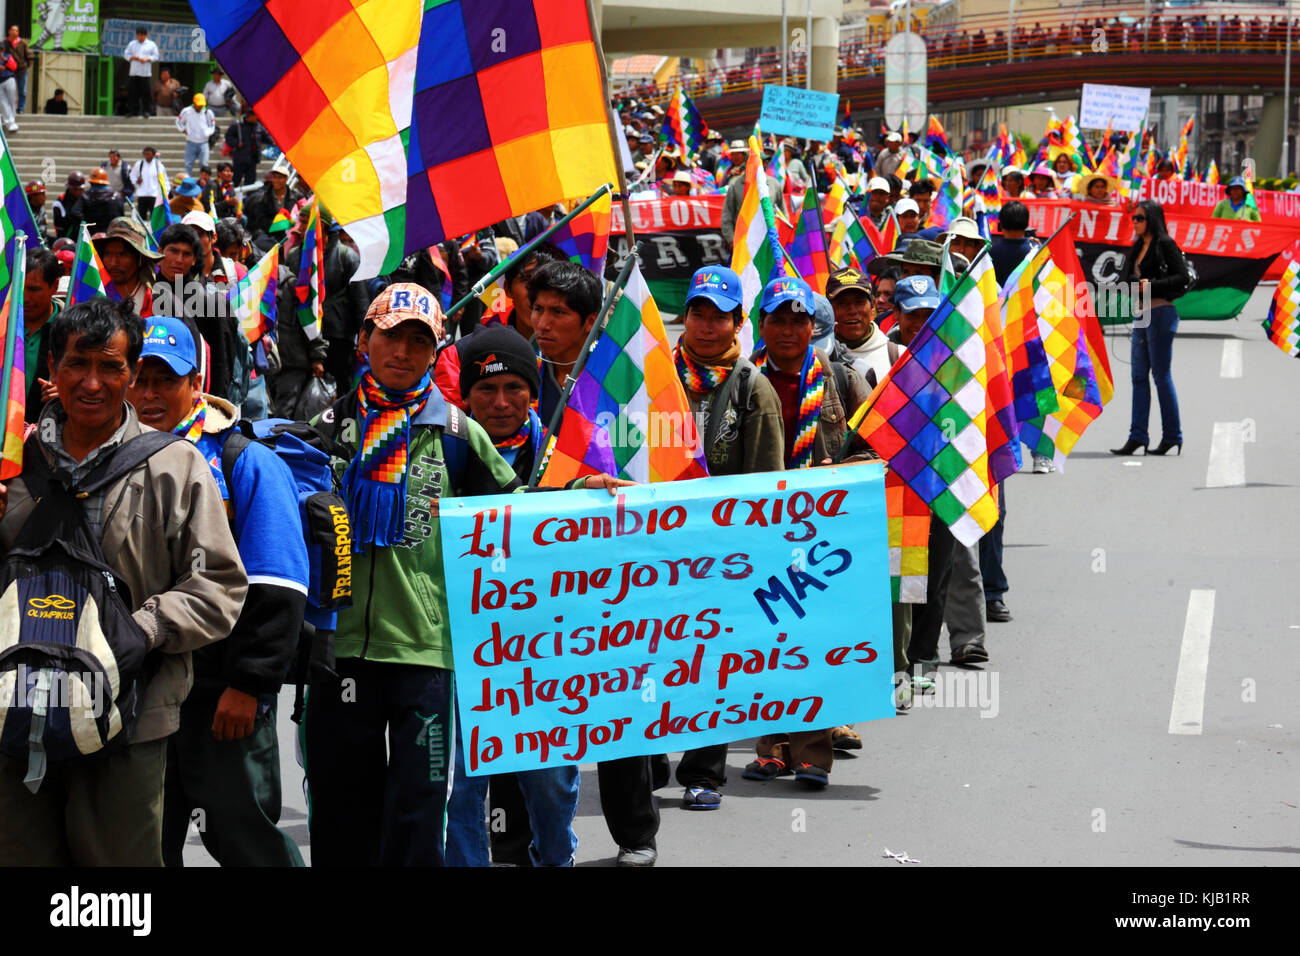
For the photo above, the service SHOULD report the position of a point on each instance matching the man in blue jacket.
(225, 760)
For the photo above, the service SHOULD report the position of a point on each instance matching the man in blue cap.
(816, 395)
(739, 416)
(225, 757)
(1234, 206)
(915, 299)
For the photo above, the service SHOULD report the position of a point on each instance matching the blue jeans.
(551, 796)
(1153, 351)
(195, 153)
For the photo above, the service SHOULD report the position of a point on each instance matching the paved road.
(1075, 761)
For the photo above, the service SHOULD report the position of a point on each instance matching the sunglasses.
(1139, 218)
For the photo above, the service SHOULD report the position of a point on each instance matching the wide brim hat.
(129, 232)
(1086, 180)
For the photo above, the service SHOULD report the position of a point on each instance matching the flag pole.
(597, 327)
(13, 319)
(629, 236)
(527, 247)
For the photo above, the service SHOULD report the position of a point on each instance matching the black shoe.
(970, 654)
(996, 611)
(766, 768)
(1129, 448)
(1164, 446)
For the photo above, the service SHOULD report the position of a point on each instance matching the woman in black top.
(1155, 267)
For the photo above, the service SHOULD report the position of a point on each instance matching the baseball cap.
(846, 278)
(787, 289)
(406, 302)
(916, 292)
(199, 220)
(906, 205)
(170, 340)
(878, 183)
(200, 100)
(718, 284)
(893, 138)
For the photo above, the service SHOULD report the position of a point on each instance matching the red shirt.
(787, 389)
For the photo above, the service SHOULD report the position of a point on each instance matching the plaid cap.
(407, 302)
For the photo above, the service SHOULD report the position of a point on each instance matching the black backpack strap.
(240, 437)
(36, 471)
(127, 458)
(718, 402)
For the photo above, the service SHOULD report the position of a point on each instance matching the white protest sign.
(1119, 107)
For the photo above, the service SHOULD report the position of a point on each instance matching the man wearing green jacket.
(379, 741)
(1235, 205)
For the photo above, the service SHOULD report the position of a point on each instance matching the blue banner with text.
(587, 627)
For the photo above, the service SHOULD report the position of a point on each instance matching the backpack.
(72, 658)
(326, 529)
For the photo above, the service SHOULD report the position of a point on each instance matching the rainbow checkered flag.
(942, 417)
(253, 297)
(1065, 315)
(1282, 326)
(627, 414)
(756, 251)
(808, 245)
(908, 526)
(1036, 288)
(310, 286)
(13, 380)
(683, 124)
(89, 277)
(585, 237)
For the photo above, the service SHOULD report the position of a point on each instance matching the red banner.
(1180, 198)
(670, 214)
(1192, 228)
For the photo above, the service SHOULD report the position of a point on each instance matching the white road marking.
(1227, 457)
(1230, 364)
(1188, 711)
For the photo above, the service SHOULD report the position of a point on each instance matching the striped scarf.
(374, 484)
(812, 389)
(699, 376)
(191, 426)
(531, 428)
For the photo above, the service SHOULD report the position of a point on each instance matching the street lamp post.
(1286, 95)
(785, 38)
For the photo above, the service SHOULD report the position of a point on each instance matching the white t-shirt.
(148, 49)
(145, 176)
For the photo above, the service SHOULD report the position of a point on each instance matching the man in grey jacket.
(163, 529)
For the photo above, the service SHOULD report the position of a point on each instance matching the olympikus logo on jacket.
(52, 605)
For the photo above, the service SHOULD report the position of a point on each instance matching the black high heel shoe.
(1131, 447)
(1164, 446)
